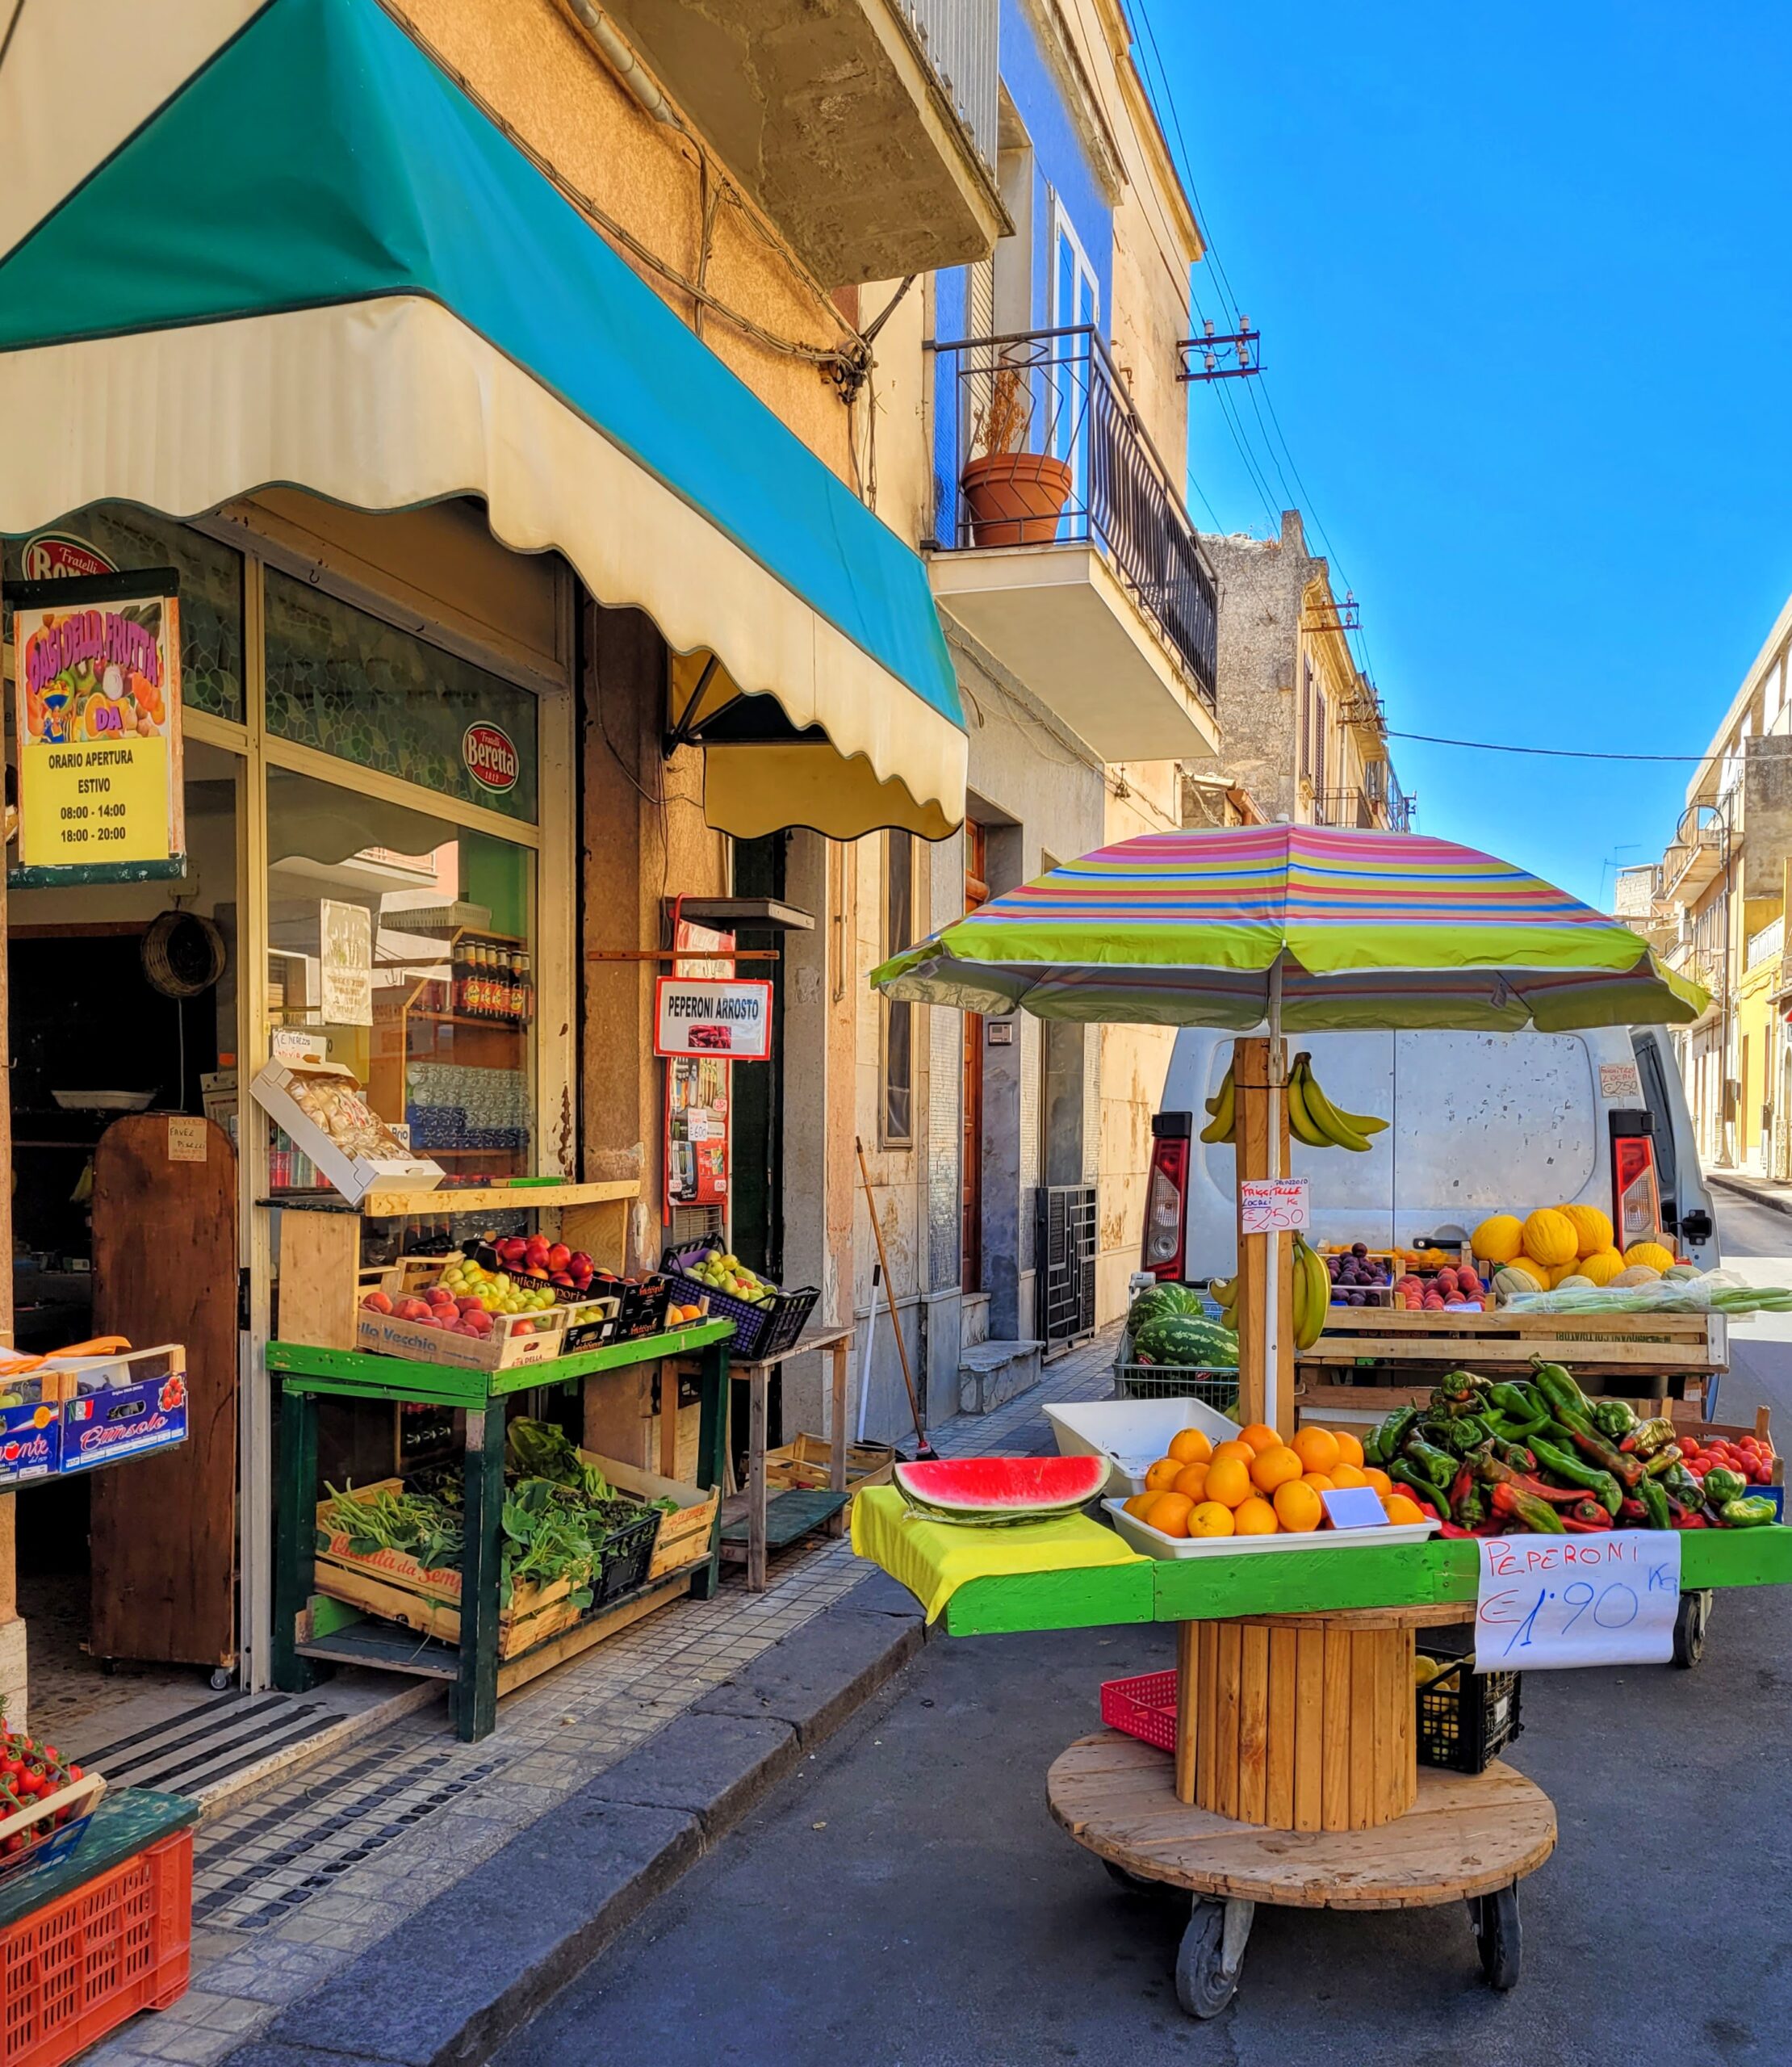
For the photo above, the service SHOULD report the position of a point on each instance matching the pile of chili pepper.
(1491, 1458)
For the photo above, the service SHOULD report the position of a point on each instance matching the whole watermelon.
(1158, 1300)
(1186, 1340)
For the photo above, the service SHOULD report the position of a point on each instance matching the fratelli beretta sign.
(96, 666)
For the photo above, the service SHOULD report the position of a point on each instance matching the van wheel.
(1690, 1625)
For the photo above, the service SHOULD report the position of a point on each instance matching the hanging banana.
(1312, 1293)
(1224, 1105)
(1313, 1120)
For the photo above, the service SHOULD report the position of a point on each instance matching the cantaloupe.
(1498, 1238)
(1651, 1253)
(1592, 1228)
(1512, 1280)
(1549, 1238)
(1603, 1266)
(1632, 1276)
(1571, 1281)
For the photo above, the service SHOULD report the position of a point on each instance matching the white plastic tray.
(1142, 1536)
(1132, 1434)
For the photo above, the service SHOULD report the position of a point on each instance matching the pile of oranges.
(1256, 1485)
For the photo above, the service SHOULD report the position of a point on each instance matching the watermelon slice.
(991, 1490)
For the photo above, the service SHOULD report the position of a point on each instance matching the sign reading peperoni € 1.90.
(97, 668)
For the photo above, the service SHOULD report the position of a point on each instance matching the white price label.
(1620, 1081)
(1607, 1598)
(1273, 1205)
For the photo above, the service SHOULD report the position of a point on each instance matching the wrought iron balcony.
(1038, 444)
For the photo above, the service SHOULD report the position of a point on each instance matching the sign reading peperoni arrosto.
(699, 1016)
(98, 711)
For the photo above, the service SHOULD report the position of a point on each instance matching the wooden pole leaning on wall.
(1253, 1060)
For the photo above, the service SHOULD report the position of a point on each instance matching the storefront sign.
(697, 1088)
(62, 556)
(187, 1139)
(344, 935)
(491, 756)
(1273, 1205)
(97, 663)
(699, 1016)
(1609, 1598)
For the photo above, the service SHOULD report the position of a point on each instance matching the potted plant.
(1016, 497)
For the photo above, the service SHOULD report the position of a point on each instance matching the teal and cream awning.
(245, 245)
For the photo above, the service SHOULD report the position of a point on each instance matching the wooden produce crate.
(684, 1537)
(509, 1346)
(806, 1465)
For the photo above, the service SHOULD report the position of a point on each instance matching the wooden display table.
(771, 1524)
(1466, 1837)
(311, 1630)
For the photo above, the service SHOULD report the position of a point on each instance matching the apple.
(377, 1302)
(511, 1249)
(536, 1245)
(579, 1263)
(560, 1277)
(522, 1328)
(558, 1257)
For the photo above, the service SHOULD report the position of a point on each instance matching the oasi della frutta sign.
(96, 664)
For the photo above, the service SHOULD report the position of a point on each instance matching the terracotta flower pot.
(1015, 498)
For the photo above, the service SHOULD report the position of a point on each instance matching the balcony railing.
(1054, 395)
(960, 38)
(1344, 808)
(1398, 809)
(1766, 945)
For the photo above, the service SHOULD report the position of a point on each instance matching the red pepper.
(1691, 1521)
(1454, 1531)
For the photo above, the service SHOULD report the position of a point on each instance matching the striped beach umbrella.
(1353, 929)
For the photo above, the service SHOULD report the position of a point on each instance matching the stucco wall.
(1260, 585)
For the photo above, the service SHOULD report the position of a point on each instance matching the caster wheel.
(1498, 1936)
(1690, 1623)
(1134, 1884)
(1211, 1955)
(222, 1677)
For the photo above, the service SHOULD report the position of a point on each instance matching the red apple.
(558, 1257)
(560, 1277)
(521, 1327)
(511, 1249)
(579, 1263)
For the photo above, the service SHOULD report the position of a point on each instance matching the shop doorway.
(970, 1157)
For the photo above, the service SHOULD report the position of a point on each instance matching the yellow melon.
(1498, 1238)
(1603, 1266)
(1592, 1228)
(1651, 1253)
(1549, 1238)
(1563, 1271)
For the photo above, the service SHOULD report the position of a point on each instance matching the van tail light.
(1167, 1196)
(1635, 1194)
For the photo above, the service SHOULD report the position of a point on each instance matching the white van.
(1480, 1123)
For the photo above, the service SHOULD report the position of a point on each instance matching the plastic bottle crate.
(74, 1970)
(1465, 1718)
(1144, 1706)
(628, 1552)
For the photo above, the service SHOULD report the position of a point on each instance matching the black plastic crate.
(628, 1552)
(1465, 1718)
(759, 1330)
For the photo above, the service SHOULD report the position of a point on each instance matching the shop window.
(352, 685)
(898, 1120)
(409, 941)
(211, 590)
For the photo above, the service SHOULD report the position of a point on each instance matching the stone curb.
(1740, 1189)
(453, 1982)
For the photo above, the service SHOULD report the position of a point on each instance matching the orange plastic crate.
(74, 1970)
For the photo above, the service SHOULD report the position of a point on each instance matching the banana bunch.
(1312, 1118)
(1312, 1293)
(1224, 1292)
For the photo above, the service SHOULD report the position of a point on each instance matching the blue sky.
(1522, 278)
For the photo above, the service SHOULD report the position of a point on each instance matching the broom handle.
(889, 1292)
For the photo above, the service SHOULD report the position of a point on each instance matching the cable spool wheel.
(183, 955)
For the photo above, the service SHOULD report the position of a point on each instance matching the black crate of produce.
(760, 1329)
(1465, 1718)
(644, 1308)
(628, 1552)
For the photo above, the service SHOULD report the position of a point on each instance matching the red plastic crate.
(1144, 1706)
(76, 1969)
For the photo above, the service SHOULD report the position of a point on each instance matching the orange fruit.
(1260, 1435)
(1191, 1446)
(1254, 1517)
(1192, 1480)
(1141, 1504)
(1243, 1452)
(1399, 1508)
(1348, 1447)
(1319, 1482)
(1383, 1484)
(1170, 1513)
(1297, 1506)
(1273, 1468)
(1317, 1448)
(1162, 1474)
(1227, 1482)
(1210, 1519)
(1347, 1474)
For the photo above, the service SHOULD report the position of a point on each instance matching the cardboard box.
(373, 1154)
(30, 1442)
(119, 1407)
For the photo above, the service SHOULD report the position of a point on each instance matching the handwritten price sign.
(1547, 1602)
(1272, 1205)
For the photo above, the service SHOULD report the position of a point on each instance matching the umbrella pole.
(1266, 1342)
(1274, 1307)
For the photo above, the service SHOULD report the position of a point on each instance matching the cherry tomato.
(74, 1772)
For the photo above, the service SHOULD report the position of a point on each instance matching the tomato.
(1689, 1445)
(74, 1772)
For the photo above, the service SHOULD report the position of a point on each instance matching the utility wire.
(1547, 753)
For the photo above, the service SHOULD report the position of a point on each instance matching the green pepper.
(1517, 1455)
(1613, 1418)
(1647, 1438)
(1567, 1402)
(1721, 1485)
(1654, 1501)
(1517, 1400)
(1505, 1430)
(1750, 1513)
(1461, 1438)
(1664, 1461)
(1536, 1515)
(1410, 1476)
(1438, 1465)
(1565, 1466)
(1384, 1442)
(1626, 1469)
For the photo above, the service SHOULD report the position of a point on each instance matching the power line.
(1546, 752)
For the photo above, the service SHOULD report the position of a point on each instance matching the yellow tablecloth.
(934, 1558)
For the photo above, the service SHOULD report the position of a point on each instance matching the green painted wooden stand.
(310, 1632)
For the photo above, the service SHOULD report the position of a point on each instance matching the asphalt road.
(908, 1901)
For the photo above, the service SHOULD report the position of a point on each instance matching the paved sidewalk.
(1764, 1191)
(294, 1889)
